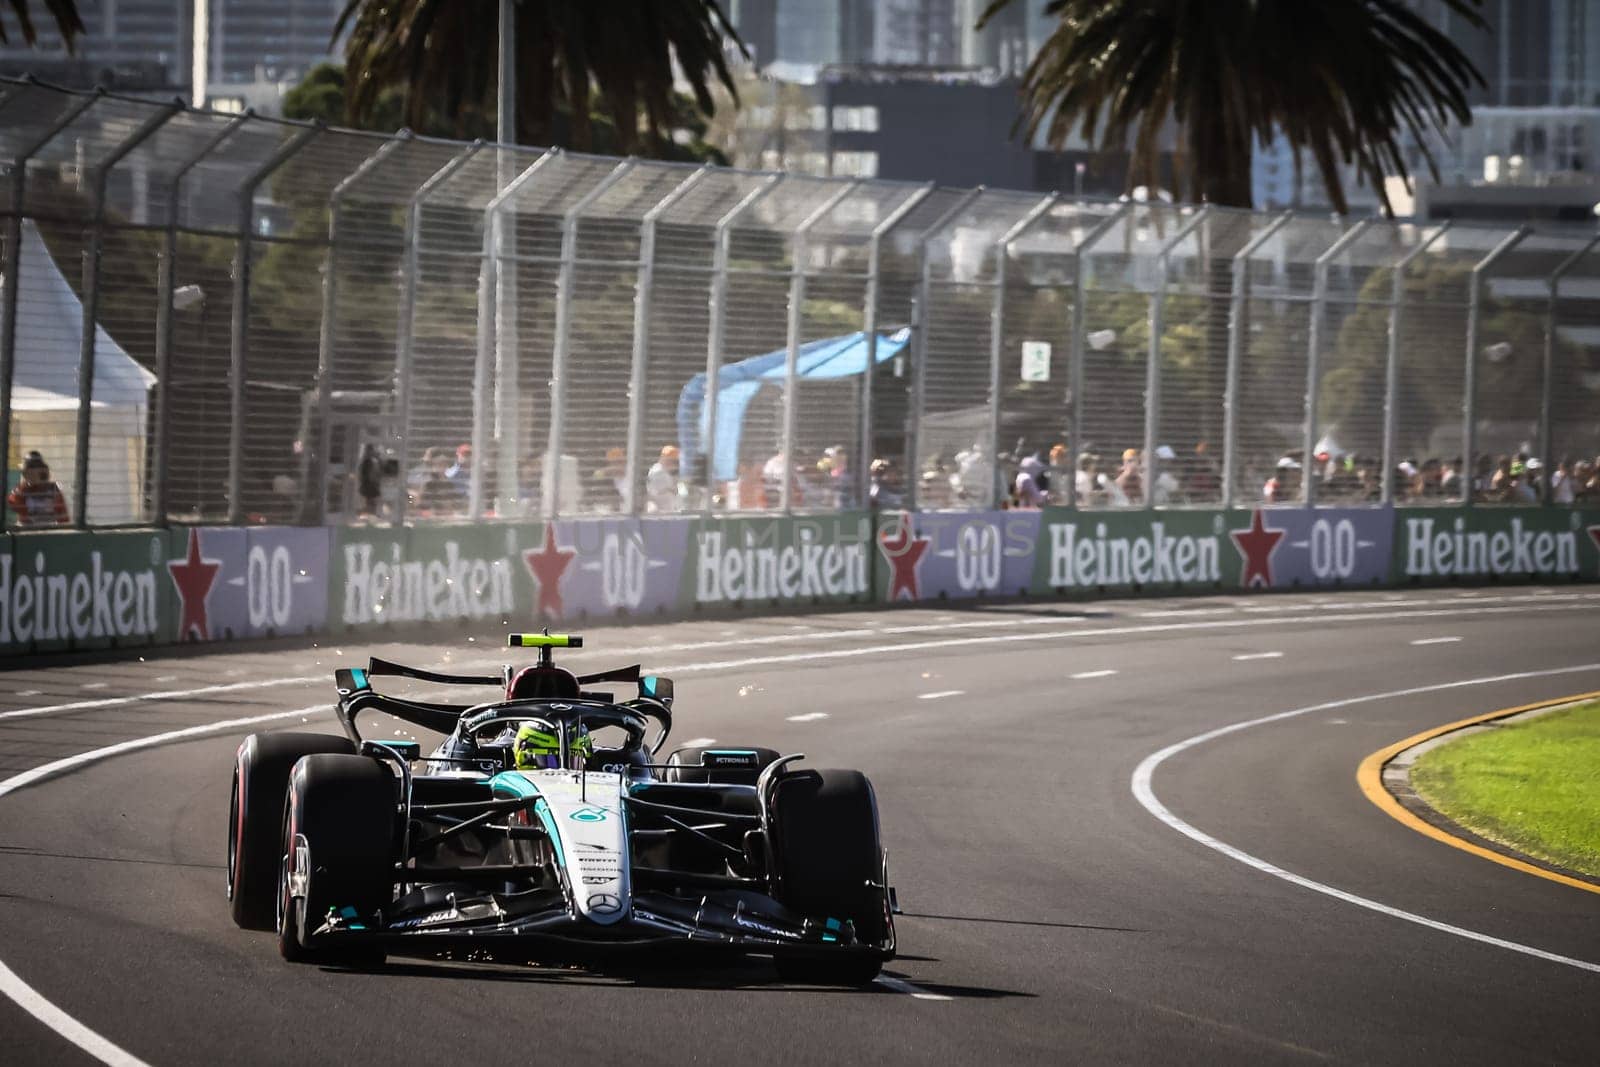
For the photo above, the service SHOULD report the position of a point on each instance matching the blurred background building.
(229, 54)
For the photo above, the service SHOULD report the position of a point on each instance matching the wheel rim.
(285, 905)
(233, 835)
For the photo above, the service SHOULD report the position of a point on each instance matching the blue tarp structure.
(835, 357)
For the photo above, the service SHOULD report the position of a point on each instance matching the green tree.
(321, 96)
(1345, 81)
(622, 59)
(65, 13)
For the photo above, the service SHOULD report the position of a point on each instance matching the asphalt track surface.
(1050, 916)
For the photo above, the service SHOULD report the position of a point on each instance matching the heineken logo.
(771, 572)
(1444, 549)
(97, 602)
(1099, 559)
(394, 589)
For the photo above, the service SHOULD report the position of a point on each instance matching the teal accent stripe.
(359, 677)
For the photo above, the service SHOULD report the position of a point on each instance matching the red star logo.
(904, 554)
(1256, 544)
(546, 566)
(194, 575)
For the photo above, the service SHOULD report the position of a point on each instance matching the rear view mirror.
(657, 688)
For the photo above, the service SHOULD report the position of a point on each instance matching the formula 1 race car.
(542, 829)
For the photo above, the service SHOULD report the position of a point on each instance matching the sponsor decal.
(1256, 544)
(740, 919)
(1487, 544)
(397, 589)
(1097, 557)
(904, 552)
(588, 815)
(604, 903)
(42, 603)
(193, 576)
(813, 566)
(546, 565)
(427, 920)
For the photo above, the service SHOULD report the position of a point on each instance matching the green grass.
(1532, 785)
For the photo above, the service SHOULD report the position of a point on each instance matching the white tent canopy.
(44, 394)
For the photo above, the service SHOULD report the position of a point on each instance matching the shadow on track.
(1020, 922)
(747, 976)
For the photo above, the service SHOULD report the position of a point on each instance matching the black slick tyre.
(255, 814)
(338, 850)
(825, 844)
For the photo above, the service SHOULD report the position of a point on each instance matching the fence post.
(866, 447)
(405, 351)
(166, 286)
(1391, 379)
(640, 365)
(240, 361)
(550, 488)
(1469, 397)
(715, 328)
(99, 174)
(1080, 341)
(791, 359)
(997, 314)
(316, 473)
(1238, 309)
(489, 337)
(1319, 302)
(13, 267)
(919, 344)
(1152, 380)
(1547, 380)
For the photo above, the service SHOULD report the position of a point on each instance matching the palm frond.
(1346, 82)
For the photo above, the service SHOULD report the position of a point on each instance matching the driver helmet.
(538, 747)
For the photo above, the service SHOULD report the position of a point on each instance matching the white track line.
(29, 1000)
(1146, 796)
(25, 996)
(1258, 655)
(941, 694)
(1085, 675)
(170, 694)
(1107, 631)
(988, 624)
(1436, 640)
(810, 716)
(900, 985)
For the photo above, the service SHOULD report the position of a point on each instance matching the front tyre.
(255, 812)
(830, 864)
(338, 850)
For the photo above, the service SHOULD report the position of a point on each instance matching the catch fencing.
(214, 318)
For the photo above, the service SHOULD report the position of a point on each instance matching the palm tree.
(64, 12)
(618, 55)
(1345, 81)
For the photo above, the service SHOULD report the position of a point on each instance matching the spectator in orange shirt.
(37, 500)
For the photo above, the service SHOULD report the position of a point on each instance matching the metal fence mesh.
(222, 318)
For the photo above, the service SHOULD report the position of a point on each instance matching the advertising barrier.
(69, 590)
(1488, 544)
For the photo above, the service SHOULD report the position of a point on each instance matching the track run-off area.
(1121, 831)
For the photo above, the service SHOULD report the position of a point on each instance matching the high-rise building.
(249, 49)
(133, 45)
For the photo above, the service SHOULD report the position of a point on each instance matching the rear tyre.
(255, 814)
(825, 844)
(722, 765)
(337, 853)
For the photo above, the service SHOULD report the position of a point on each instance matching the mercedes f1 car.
(542, 828)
